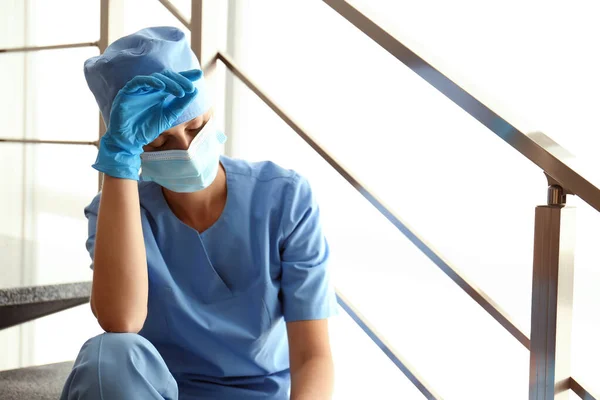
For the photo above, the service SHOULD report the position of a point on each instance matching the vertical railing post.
(552, 298)
(208, 29)
(111, 28)
(231, 100)
(196, 29)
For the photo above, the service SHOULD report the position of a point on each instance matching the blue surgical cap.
(143, 53)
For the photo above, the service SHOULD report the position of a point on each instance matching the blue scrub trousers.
(119, 366)
(126, 366)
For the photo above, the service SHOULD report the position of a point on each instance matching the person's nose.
(181, 139)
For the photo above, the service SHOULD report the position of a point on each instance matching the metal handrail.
(452, 272)
(50, 47)
(475, 293)
(40, 141)
(580, 391)
(387, 348)
(176, 13)
(552, 163)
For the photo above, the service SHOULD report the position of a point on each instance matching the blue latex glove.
(139, 114)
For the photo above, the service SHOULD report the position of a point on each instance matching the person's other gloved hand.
(139, 114)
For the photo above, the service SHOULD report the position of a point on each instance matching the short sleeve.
(306, 288)
(91, 213)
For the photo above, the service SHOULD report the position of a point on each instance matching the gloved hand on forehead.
(141, 111)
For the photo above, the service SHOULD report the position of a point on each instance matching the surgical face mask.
(190, 170)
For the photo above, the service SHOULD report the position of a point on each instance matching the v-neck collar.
(160, 206)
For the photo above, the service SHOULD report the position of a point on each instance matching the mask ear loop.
(221, 137)
(201, 136)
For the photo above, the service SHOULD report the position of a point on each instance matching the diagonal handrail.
(475, 293)
(387, 348)
(550, 162)
(176, 13)
(470, 288)
(582, 392)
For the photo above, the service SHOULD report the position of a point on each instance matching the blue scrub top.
(218, 299)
